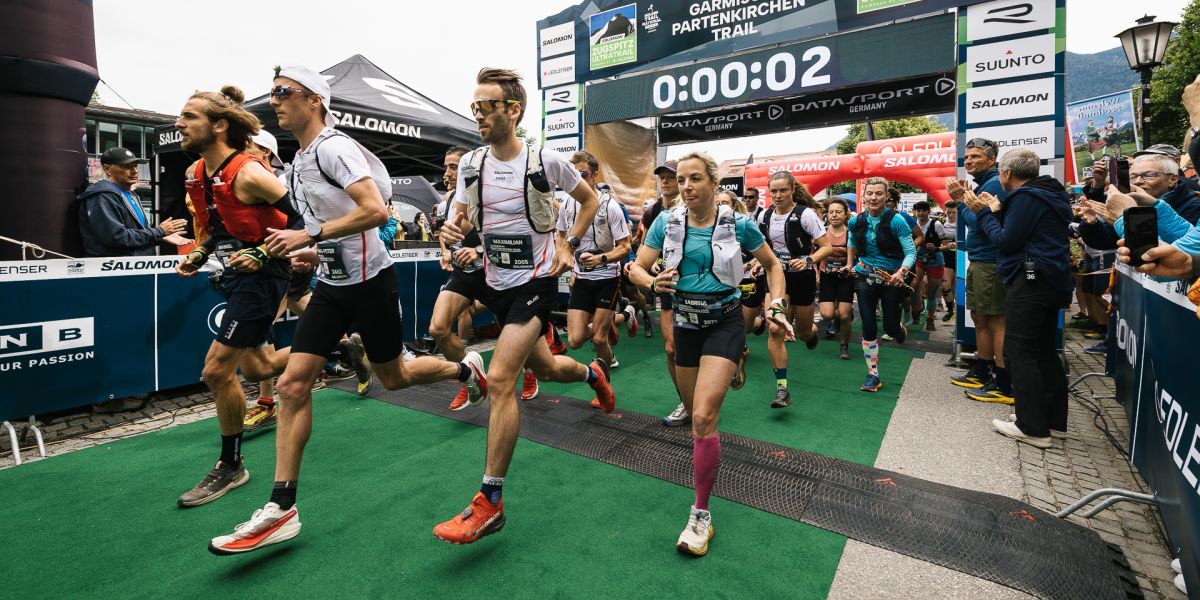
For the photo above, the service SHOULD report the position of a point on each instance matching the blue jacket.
(1183, 199)
(1037, 217)
(979, 247)
(109, 225)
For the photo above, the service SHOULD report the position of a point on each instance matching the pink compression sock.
(706, 459)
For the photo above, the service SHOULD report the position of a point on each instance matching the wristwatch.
(573, 242)
(604, 259)
(314, 231)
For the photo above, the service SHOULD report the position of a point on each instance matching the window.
(107, 137)
(89, 143)
(131, 139)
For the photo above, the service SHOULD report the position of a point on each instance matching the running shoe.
(479, 519)
(929, 326)
(604, 391)
(812, 341)
(318, 385)
(991, 395)
(678, 417)
(616, 363)
(337, 372)
(829, 332)
(649, 327)
(971, 380)
(1100, 348)
(460, 401)
(1010, 429)
(949, 316)
(845, 352)
(221, 480)
(783, 398)
(1094, 334)
(355, 355)
(872, 384)
(699, 531)
(476, 383)
(739, 375)
(887, 338)
(631, 322)
(268, 525)
(906, 318)
(554, 342)
(260, 416)
(529, 386)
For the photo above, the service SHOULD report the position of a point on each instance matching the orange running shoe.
(604, 392)
(460, 401)
(478, 520)
(529, 386)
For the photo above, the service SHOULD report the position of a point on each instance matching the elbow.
(379, 217)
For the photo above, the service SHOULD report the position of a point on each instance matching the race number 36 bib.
(509, 251)
(333, 268)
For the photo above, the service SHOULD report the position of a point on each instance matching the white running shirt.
(612, 218)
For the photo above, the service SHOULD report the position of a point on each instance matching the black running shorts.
(298, 284)
(801, 287)
(525, 302)
(755, 299)
(588, 295)
(725, 339)
(372, 307)
(836, 289)
(251, 301)
(471, 285)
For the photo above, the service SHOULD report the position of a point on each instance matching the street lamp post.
(1144, 45)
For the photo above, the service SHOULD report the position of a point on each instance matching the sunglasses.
(584, 174)
(284, 92)
(981, 143)
(486, 106)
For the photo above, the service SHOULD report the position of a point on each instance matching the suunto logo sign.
(1002, 60)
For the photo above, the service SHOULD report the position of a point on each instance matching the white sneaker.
(1179, 583)
(678, 417)
(1010, 429)
(268, 525)
(631, 322)
(1176, 566)
(1062, 435)
(695, 537)
(476, 384)
(615, 363)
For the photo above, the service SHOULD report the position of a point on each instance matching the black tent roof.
(408, 131)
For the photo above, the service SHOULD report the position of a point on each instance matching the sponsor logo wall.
(1011, 71)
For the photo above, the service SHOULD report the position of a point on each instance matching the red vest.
(245, 222)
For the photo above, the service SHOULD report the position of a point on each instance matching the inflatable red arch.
(923, 161)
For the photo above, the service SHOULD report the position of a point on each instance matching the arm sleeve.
(904, 233)
(749, 235)
(658, 230)
(102, 211)
(343, 161)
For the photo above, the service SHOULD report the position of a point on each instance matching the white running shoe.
(678, 417)
(631, 322)
(269, 525)
(1176, 566)
(476, 384)
(695, 537)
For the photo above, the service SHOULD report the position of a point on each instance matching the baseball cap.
(670, 165)
(315, 83)
(266, 140)
(1161, 149)
(120, 156)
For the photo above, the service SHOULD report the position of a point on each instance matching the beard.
(199, 142)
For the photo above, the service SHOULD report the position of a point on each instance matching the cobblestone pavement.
(1052, 479)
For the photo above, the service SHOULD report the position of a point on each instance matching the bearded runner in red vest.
(237, 198)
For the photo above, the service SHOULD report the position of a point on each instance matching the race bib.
(698, 311)
(509, 251)
(225, 250)
(579, 263)
(332, 268)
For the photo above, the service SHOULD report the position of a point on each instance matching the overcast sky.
(155, 55)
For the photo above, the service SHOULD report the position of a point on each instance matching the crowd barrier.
(79, 331)
(1153, 346)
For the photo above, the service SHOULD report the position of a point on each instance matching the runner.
(880, 253)
(668, 198)
(236, 198)
(950, 257)
(797, 237)
(837, 285)
(930, 263)
(595, 281)
(341, 189)
(464, 261)
(701, 249)
(505, 191)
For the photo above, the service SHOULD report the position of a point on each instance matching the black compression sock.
(464, 372)
(284, 494)
(231, 450)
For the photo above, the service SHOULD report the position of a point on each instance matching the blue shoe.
(1098, 348)
(872, 384)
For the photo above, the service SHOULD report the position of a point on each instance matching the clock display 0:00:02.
(735, 77)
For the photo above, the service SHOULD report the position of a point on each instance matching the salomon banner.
(927, 95)
(1156, 327)
(604, 38)
(80, 331)
(854, 58)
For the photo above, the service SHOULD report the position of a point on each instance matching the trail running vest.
(539, 197)
(244, 222)
(601, 231)
(799, 242)
(885, 239)
(726, 250)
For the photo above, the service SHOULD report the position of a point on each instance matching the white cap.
(266, 140)
(315, 82)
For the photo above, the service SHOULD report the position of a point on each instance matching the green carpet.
(102, 522)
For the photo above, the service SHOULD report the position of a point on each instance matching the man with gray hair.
(1033, 261)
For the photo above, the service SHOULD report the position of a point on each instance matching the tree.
(884, 130)
(523, 134)
(1168, 118)
(96, 99)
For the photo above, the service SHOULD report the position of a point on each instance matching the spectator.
(419, 230)
(1033, 260)
(387, 231)
(111, 219)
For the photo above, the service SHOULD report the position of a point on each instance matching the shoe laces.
(679, 412)
(699, 523)
(256, 519)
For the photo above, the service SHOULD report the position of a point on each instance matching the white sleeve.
(562, 216)
(939, 229)
(559, 171)
(343, 161)
(460, 196)
(812, 224)
(616, 221)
